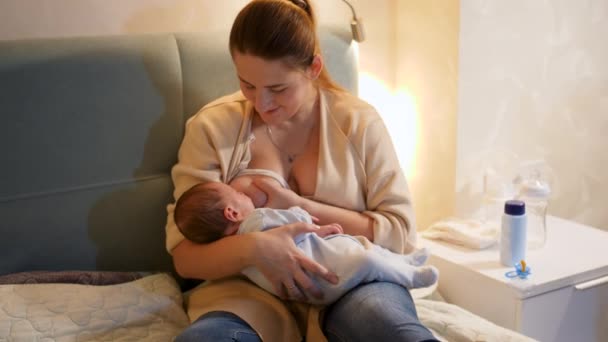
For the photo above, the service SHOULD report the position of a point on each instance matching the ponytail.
(279, 30)
(303, 4)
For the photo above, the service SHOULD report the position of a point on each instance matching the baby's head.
(209, 211)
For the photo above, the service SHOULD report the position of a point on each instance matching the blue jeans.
(218, 326)
(376, 311)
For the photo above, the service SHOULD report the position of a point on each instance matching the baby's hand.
(329, 229)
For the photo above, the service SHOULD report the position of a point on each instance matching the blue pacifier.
(522, 271)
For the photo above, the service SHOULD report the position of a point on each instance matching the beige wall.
(407, 64)
(461, 84)
(534, 85)
(417, 95)
(427, 74)
(61, 18)
(65, 18)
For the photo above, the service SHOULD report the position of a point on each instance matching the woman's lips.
(271, 111)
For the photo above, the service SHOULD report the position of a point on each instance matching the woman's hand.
(277, 196)
(285, 266)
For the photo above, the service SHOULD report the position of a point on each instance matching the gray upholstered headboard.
(89, 130)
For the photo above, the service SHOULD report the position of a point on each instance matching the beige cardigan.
(358, 169)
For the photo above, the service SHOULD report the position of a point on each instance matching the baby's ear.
(231, 214)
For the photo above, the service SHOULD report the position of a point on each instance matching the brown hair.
(199, 214)
(279, 29)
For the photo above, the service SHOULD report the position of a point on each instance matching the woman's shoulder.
(344, 100)
(235, 98)
(349, 112)
(222, 110)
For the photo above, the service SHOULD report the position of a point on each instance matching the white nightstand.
(564, 299)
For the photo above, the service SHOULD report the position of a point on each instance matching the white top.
(573, 253)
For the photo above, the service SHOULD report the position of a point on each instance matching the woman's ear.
(231, 214)
(315, 67)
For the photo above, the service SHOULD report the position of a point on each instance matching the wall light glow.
(399, 112)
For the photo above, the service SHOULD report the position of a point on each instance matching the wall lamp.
(356, 25)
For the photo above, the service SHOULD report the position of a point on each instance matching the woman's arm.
(352, 222)
(388, 200)
(272, 252)
(212, 261)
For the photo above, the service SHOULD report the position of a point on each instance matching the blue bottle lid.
(515, 207)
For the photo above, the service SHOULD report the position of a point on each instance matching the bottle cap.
(515, 207)
(535, 189)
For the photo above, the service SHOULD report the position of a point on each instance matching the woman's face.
(277, 91)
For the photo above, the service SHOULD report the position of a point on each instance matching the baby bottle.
(535, 193)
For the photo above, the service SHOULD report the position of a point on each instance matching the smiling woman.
(274, 85)
(284, 98)
(334, 152)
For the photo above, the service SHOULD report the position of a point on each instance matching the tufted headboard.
(89, 131)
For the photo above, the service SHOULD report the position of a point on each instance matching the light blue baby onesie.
(343, 255)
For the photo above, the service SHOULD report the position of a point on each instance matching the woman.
(333, 149)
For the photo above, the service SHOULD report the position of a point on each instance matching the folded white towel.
(464, 232)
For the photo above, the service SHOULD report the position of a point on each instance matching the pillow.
(149, 308)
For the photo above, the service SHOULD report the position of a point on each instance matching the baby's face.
(239, 201)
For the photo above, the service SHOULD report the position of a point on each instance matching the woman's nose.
(263, 101)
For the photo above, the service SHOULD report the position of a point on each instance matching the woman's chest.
(304, 173)
(300, 171)
(327, 170)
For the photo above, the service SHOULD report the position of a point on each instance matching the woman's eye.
(277, 91)
(247, 86)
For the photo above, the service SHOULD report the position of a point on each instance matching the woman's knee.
(375, 311)
(218, 326)
(378, 298)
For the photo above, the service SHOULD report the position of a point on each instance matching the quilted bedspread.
(451, 323)
(147, 309)
(150, 309)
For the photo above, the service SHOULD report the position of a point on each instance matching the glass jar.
(496, 191)
(535, 193)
